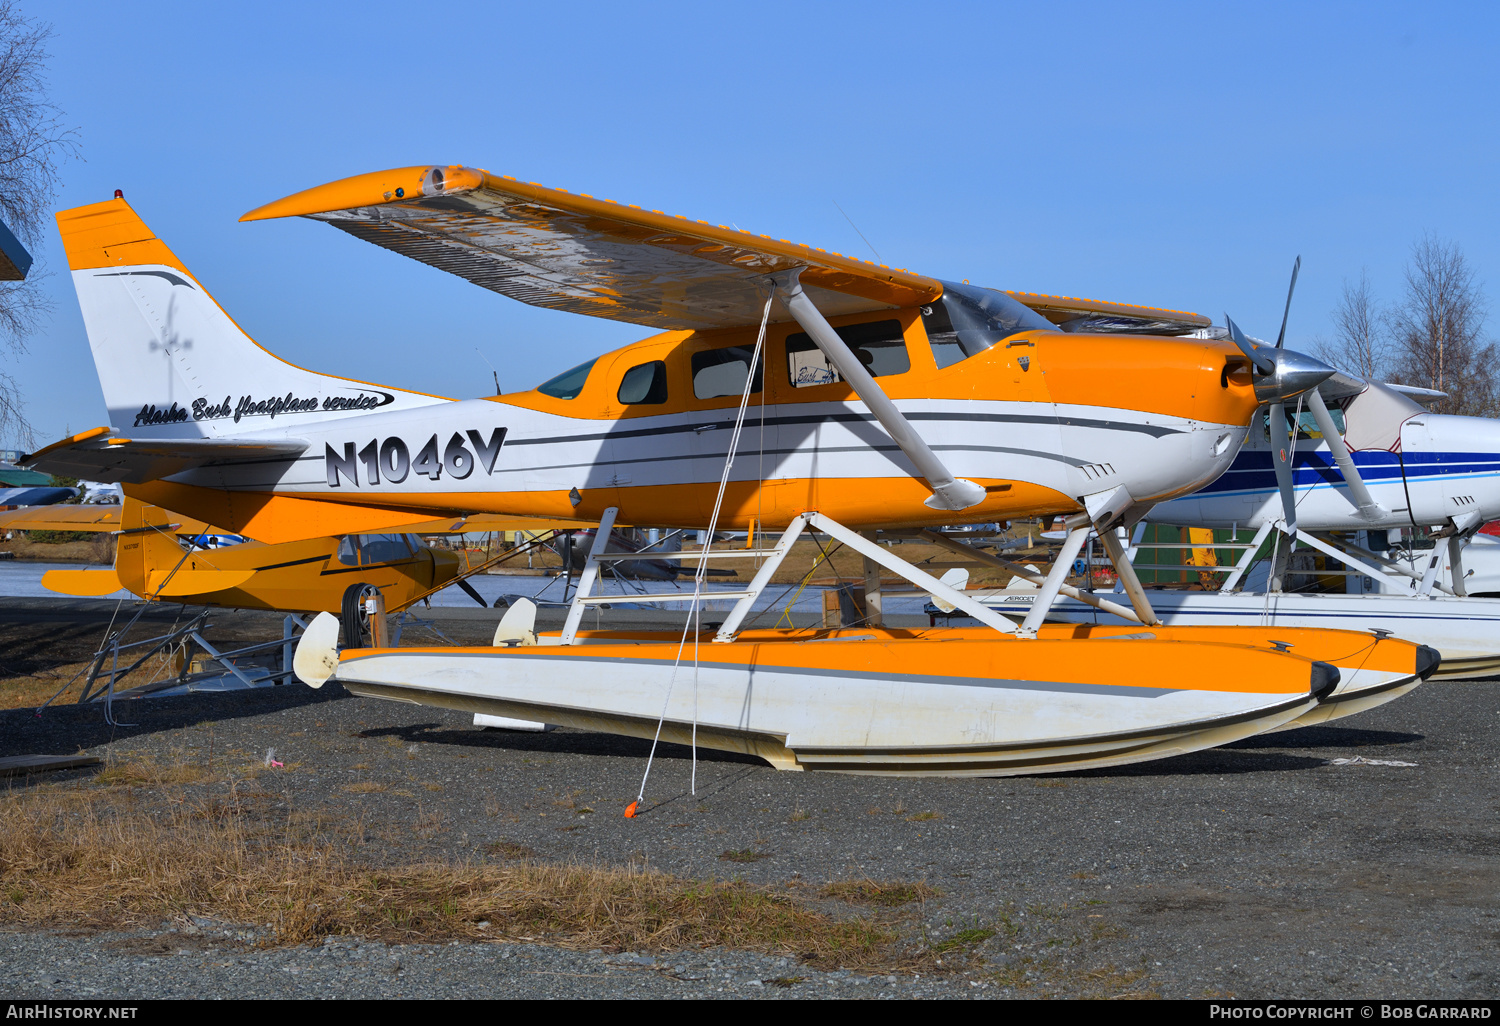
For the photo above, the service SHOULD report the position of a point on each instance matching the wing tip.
(375, 188)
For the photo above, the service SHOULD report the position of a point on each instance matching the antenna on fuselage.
(493, 371)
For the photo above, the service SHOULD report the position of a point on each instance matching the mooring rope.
(694, 617)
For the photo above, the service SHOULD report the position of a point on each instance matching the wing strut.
(1358, 493)
(948, 492)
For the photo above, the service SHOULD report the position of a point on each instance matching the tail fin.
(170, 360)
(145, 543)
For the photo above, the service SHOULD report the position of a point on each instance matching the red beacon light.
(119, 194)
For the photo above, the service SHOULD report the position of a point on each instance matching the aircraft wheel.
(355, 620)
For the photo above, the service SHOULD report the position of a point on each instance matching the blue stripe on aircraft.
(1253, 471)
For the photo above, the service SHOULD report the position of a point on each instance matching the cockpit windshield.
(569, 383)
(968, 320)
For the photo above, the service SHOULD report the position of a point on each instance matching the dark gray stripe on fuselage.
(1154, 430)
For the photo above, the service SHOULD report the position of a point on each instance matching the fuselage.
(1040, 420)
(1443, 467)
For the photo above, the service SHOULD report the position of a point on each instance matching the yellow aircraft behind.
(159, 556)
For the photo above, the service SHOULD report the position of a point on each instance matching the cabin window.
(721, 372)
(569, 383)
(368, 549)
(879, 346)
(645, 385)
(968, 320)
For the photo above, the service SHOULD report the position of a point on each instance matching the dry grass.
(886, 893)
(800, 561)
(38, 659)
(510, 850)
(90, 857)
(365, 787)
(30, 690)
(153, 774)
(98, 549)
(743, 855)
(965, 940)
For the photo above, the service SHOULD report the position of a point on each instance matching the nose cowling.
(445, 566)
(1291, 374)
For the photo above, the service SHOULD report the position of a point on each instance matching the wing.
(1092, 315)
(566, 251)
(98, 455)
(103, 519)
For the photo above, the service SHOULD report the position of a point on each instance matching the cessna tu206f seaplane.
(883, 399)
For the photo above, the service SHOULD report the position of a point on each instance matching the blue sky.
(1169, 154)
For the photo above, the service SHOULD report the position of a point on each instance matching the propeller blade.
(1260, 361)
(1282, 453)
(1289, 290)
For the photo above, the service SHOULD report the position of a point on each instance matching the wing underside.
(570, 251)
(556, 249)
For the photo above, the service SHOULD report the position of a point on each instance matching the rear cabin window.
(879, 346)
(569, 383)
(721, 372)
(645, 385)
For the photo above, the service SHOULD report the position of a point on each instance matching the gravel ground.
(1262, 870)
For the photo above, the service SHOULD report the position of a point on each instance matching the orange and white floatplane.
(858, 398)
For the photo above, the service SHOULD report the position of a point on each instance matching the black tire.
(353, 617)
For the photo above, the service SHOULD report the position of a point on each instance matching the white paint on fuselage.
(1451, 464)
(1072, 450)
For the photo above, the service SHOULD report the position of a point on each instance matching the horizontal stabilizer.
(83, 583)
(98, 455)
(1421, 395)
(164, 583)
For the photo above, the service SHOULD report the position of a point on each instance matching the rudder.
(171, 362)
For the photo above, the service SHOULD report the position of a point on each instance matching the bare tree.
(1359, 343)
(33, 144)
(1437, 330)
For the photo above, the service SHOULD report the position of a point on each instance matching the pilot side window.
(879, 346)
(721, 372)
(569, 383)
(646, 384)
